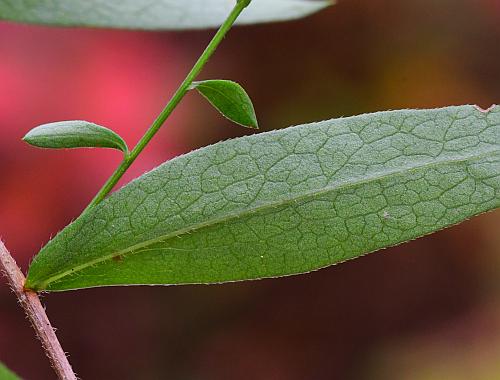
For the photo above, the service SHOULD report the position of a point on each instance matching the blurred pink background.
(429, 309)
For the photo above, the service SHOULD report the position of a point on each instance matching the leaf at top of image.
(230, 99)
(74, 134)
(155, 14)
(284, 202)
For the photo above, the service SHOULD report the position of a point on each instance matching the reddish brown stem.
(31, 304)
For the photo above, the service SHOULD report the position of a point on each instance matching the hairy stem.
(172, 104)
(35, 311)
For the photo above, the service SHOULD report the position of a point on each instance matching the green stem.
(172, 104)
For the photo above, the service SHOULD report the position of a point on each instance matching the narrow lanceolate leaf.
(74, 134)
(153, 14)
(284, 202)
(230, 99)
(7, 374)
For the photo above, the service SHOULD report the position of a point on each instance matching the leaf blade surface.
(230, 99)
(284, 202)
(158, 14)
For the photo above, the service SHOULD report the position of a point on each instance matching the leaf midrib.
(262, 207)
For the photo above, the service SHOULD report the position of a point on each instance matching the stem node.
(171, 105)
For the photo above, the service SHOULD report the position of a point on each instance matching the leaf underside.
(74, 134)
(157, 14)
(284, 202)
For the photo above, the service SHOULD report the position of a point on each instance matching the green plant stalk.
(171, 105)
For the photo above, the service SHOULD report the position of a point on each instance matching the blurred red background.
(429, 309)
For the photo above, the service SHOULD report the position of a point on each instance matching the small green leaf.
(230, 99)
(284, 202)
(7, 374)
(74, 134)
(157, 14)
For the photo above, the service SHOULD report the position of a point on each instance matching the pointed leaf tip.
(230, 99)
(74, 134)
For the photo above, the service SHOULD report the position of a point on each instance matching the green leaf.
(156, 14)
(7, 374)
(284, 202)
(74, 134)
(230, 99)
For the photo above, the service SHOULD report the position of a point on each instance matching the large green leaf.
(152, 14)
(284, 202)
